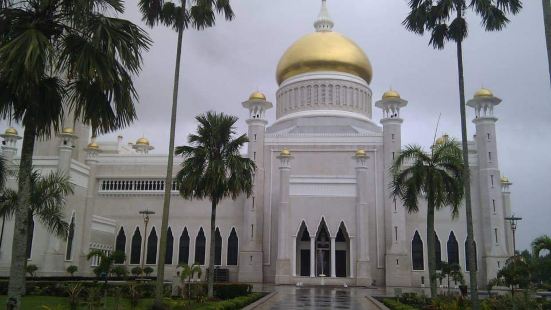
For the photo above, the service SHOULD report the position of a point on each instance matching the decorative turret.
(391, 103)
(257, 105)
(9, 145)
(483, 103)
(142, 146)
(68, 137)
(92, 149)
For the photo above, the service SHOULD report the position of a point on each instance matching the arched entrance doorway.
(323, 251)
(303, 251)
(342, 252)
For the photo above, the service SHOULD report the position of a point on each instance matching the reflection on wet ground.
(318, 298)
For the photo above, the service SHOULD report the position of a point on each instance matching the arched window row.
(183, 247)
(452, 249)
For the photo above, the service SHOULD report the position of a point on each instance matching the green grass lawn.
(61, 303)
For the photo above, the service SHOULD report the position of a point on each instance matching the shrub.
(136, 271)
(73, 293)
(229, 291)
(134, 295)
(394, 304)
(120, 271)
(72, 269)
(148, 271)
(31, 269)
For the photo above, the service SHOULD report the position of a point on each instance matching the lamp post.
(145, 213)
(513, 221)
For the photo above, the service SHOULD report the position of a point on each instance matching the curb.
(260, 302)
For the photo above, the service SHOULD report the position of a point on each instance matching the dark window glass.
(183, 254)
(417, 252)
(169, 246)
(136, 247)
(152, 247)
(200, 247)
(30, 238)
(217, 247)
(70, 237)
(120, 244)
(453, 249)
(233, 245)
(438, 252)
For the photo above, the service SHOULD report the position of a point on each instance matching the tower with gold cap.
(251, 259)
(493, 232)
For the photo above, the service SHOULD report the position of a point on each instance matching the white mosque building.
(321, 211)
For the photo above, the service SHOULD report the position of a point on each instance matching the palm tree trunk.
(168, 181)
(467, 179)
(547, 23)
(16, 287)
(211, 254)
(430, 246)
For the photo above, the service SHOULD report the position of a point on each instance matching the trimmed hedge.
(233, 304)
(222, 291)
(394, 304)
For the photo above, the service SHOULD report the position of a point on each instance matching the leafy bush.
(72, 269)
(394, 304)
(31, 269)
(222, 291)
(73, 292)
(136, 271)
(233, 304)
(120, 271)
(148, 271)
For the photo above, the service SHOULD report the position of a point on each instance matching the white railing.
(134, 186)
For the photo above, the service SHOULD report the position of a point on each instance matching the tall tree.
(438, 178)
(60, 56)
(198, 14)
(47, 202)
(541, 243)
(214, 169)
(445, 21)
(547, 23)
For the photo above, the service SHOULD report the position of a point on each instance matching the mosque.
(321, 212)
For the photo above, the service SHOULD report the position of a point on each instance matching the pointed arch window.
(169, 246)
(438, 252)
(200, 242)
(30, 237)
(70, 237)
(120, 244)
(152, 247)
(183, 253)
(217, 247)
(467, 260)
(417, 252)
(232, 248)
(136, 247)
(453, 249)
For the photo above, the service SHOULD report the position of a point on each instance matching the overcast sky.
(223, 65)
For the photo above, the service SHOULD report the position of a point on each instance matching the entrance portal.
(323, 251)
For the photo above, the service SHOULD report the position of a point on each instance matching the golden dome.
(93, 145)
(257, 96)
(483, 92)
(391, 94)
(505, 180)
(324, 51)
(360, 153)
(440, 141)
(142, 141)
(285, 152)
(68, 130)
(11, 132)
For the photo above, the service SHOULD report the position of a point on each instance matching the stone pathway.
(289, 297)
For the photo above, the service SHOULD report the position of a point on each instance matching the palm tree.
(213, 168)
(47, 202)
(547, 22)
(200, 15)
(445, 20)
(60, 56)
(438, 178)
(541, 243)
(187, 273)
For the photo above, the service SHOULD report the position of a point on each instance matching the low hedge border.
(235, 303)
(394, 304)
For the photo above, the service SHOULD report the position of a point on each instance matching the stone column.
(363, 276)
(333, 273)
(352, 258)
(312, 256)
(294, 257)
(283, 264)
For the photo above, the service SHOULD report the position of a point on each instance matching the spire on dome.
(324, 22)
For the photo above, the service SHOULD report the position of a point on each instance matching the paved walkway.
(290, 297)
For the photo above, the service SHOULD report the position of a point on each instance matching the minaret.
(283, 263)
(142, 146)
(251, 258)
(492, 240)
(9, 145)
(67, 142)
(506, 198)
(397, 259)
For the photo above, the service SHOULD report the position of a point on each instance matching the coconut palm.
(214, 169)
(106, 261)
(56, 57)
(547, 22)
(187, 273)
(445, 20)
(436, 177)
(541, 243)
(47, 202)
(200, 14)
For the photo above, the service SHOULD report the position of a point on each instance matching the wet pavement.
(288, 298)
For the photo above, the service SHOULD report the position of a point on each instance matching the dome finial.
(324, 22)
